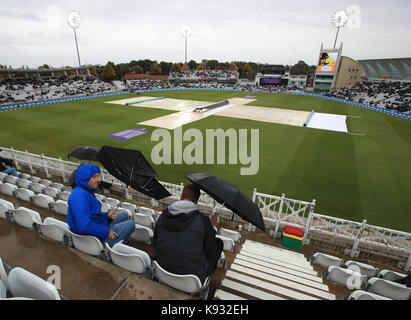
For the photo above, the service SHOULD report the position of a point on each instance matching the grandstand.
(257, 265)
(32, 224)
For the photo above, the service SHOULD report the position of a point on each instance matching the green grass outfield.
(351, 177)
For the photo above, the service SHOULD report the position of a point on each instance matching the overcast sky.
(267, 31)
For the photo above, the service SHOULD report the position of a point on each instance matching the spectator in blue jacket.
(84, 210)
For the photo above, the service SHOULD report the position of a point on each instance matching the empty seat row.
(326, 260)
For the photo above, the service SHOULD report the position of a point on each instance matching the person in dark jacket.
(184, 238)
(84, 210)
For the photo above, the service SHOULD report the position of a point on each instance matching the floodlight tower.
(185, 32)
(74, 21)
(339, 19)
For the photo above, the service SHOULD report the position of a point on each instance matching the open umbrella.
(130, 167)
(85, 153)
(229, 195)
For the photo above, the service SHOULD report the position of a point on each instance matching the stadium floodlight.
(74, 21)
(185, 32)
(339, 19)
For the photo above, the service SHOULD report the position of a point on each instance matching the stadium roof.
(23, 71)
(397, 69)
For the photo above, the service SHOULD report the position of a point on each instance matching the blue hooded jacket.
(84, 215)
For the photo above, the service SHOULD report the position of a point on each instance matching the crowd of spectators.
(390, 95)
(141, 84)
(205, 74)
(36, 89)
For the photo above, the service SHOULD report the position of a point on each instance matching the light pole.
(185, 32)
(74, 21)
(339, 19)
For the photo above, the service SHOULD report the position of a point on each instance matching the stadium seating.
(326, 260)
(143, 220)
(390, 275)
(130, 206)
(5, 207)
(131, 259)
(64, 195)
(113, 202)
(190, 284)
(25, 284)
(146, 211)
(8, 189)
(388, 289)
(25, 194)
(52, 192)
(346, 277)
(43, 201)
(23, 183)
(235, 235)
(54, 229)
(88, 244)
(37, 187)
(365, 269)
(60, 206)
(25, 217)
(228, 243)
(142, 234)
(364, 295)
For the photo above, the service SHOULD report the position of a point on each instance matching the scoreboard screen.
(270, 81)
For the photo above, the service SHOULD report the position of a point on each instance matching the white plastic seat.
(52, 192)
(57, 186)
(61, 207)
(349, 278)
(365, 295)
(64, 195)
(100, 197)
(25, 217)
(26, 284)
(131, 259)
(326, 260)
(130, 206)
(43, 201)
(113, 202)
(146, 211)
(24, 194)
(3, 290)
(365, 269)
(3, 176)
(228, 243)
(235, 235)
(5, 207)
(105, 207)
(24, 176)
(10, 179)
(3, 276)
(391, 275)
(143, 220)
(388, 289)
(54, 229)
(142, 233)
(121, 209)
(87, 244)
(45, 182)
(188, 283)
(8, 189)
(37, 187)
(23, 183)
(34, 179)
(67, 188)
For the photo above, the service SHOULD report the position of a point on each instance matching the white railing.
(278, 210)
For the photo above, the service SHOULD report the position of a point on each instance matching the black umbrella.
(130, 167)
(85, 153)
(229, 195)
